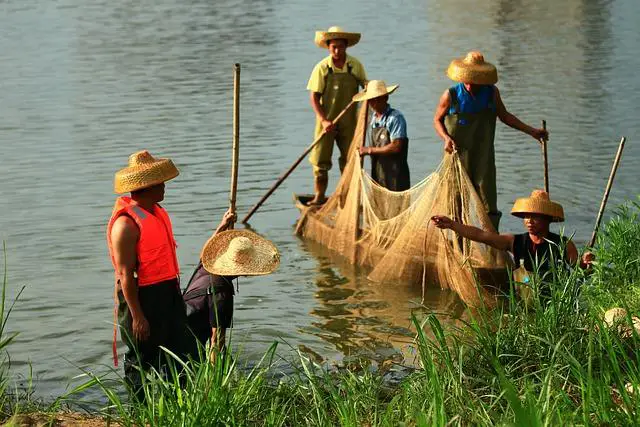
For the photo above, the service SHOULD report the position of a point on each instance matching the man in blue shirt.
(389, 141)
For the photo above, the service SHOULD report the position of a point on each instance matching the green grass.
(542, 365)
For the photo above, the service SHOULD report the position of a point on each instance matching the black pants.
(164, 309)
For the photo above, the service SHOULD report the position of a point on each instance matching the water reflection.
(371, 320)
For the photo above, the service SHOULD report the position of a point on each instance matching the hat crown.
(241, 249)
(335, 29)
(540, 194)
(376, 86)
(141, 158)
(474, 58)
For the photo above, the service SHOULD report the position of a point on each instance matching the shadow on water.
(368, 320)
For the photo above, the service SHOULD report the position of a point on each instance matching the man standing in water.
(465, 119)
(333, 82)
(389, 141)
(150, 309)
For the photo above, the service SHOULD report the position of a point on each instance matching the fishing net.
(391, 232)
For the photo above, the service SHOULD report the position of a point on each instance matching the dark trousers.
(164, 309)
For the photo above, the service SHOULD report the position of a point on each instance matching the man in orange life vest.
(150, 309)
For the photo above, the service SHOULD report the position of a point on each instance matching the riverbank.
(556, 365)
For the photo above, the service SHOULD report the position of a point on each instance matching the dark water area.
(85, 84)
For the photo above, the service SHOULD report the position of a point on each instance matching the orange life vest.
(156, 247)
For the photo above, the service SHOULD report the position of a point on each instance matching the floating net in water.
(391, 232)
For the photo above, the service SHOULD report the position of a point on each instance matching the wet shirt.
(546, 252)
(321, 70)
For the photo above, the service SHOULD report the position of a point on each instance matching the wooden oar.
(236, 139)
(612, 175)
(295, 164)
(544, 141)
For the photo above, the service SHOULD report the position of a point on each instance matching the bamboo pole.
(363, 142)
(295, 164)
(612, 175)
(544, 142)
(236, 139)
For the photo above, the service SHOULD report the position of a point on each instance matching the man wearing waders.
(389, 141)
(149, 305)
(465, 119)
(333, 82)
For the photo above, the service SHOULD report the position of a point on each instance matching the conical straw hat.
(323, 37)
(538, 203)
(239, 253)
(473, 69)
(143, 171)
(374, 89)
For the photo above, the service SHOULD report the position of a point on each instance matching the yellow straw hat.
(323, 37)
(538, 203)
(239, 253)
(473, 69)
(374, 89)
(143, 171)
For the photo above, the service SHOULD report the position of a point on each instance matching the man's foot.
(317, 201)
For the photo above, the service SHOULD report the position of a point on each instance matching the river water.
(86, 83)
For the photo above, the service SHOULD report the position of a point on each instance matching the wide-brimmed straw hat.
(143, 171)
(323, 37)
(239, 253)
(374, 89)
(538, 203)
(473, 69)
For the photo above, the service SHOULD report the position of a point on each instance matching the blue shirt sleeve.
(397, 127)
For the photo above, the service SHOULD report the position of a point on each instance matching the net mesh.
(391, 232)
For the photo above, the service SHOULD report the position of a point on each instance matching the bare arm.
(503, 242)
(512, 121)
(228, 219)
(124, 237)
(393, 147)
(314, 97)
(438, 122)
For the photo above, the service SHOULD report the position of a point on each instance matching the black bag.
(198, 298)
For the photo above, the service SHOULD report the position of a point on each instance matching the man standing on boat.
(333, 82)
(150, 309)
(465, 119)
(389, 141)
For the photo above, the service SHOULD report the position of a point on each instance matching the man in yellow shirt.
(333, 82)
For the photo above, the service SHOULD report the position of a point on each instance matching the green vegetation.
(545, 364)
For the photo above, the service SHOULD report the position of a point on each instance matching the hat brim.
(364, 96)
(267, 259)
(137, 178)
(530, 205)
(479, 74)
(323, 37)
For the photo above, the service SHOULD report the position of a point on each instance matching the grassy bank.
(557, 365)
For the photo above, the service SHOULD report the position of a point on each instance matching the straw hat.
(323, 37)
(538, 203)
(143, 171)
(473, 69)
(374, 89)
(239, 253)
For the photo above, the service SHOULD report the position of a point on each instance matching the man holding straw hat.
(389, 141)
(465, 119)
(227, 255)
(150, 309)
(538, 245)
(333, 82)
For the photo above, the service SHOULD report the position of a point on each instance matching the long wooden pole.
(612, 175)
(363, 142)
(545, 158)
(236, 139)
(295, 164)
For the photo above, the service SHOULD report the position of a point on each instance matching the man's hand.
(364, 151)
(587, 260)
(228, 218)
(328, 126)
(539, 134)
(450, 145)
(442, 221)
(141, 328)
